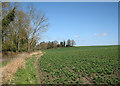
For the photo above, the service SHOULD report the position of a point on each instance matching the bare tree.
(73, 42)
(37, 23)
(61, 44)
(68, 43)
(55, 43)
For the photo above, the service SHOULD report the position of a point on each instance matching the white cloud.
(80, 40)
(104, 34)
(76, 36)
(100, 34)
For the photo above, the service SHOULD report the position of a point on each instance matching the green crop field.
(83, 65)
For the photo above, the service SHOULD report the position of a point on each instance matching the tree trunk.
(18, 44)
(28, 46)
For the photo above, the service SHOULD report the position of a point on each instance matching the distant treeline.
(55, 44)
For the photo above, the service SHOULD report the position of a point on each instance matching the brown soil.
(37, 62)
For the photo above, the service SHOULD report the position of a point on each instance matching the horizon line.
(98, 45)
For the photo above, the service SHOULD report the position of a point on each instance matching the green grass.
(98, 64)
(29, 75)
(4, 63)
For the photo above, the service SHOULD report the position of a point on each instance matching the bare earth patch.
(11, 68)
(37, 64)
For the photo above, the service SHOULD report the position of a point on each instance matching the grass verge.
(27, 75)
(4, 63)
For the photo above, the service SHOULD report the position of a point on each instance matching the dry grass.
(35, 53)
(11, 68)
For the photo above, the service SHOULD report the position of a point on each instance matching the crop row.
(80, 65)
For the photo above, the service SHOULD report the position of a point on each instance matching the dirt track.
(12, 67)
(20, 55)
